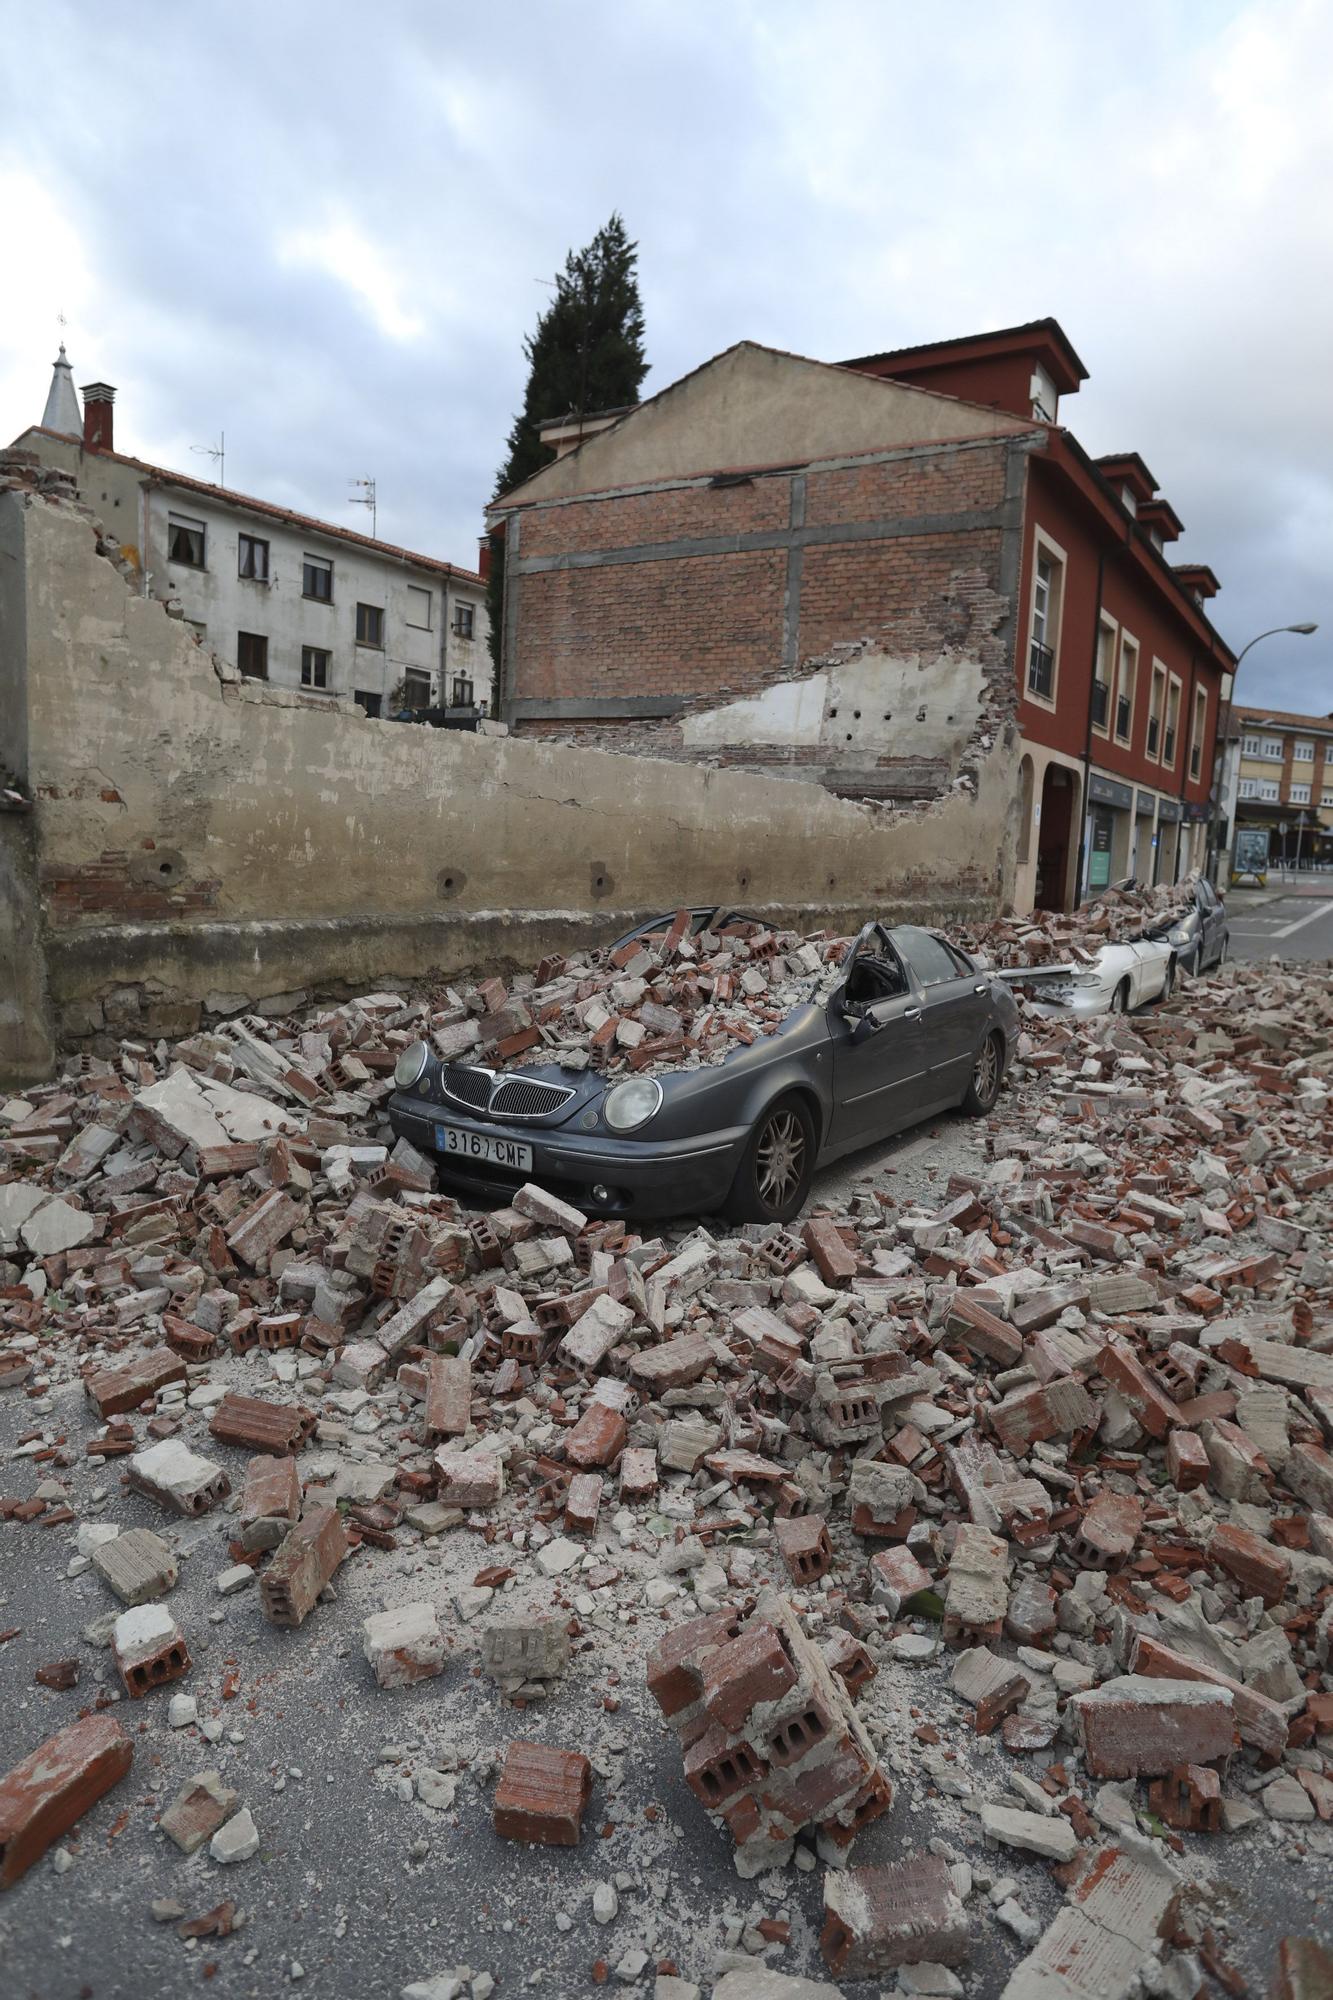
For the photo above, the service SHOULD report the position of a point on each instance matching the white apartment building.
(292, 600)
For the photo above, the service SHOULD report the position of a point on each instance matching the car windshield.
(930, 958)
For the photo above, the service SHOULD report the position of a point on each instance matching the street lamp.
(1304, 631)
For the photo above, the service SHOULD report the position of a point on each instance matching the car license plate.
(480, 1146)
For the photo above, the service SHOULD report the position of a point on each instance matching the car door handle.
(981, 988)
(911, 1013)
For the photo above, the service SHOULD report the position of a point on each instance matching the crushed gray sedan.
(907, 1025)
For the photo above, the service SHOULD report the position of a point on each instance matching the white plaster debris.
(237, 1839)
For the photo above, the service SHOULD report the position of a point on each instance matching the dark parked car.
(907, 1026)
(1198, 935)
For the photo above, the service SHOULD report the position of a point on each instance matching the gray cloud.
(322, 230)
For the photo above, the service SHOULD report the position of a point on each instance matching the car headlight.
(632, 1104)
(1178, 936)
(407, 1070)
(1087, 979)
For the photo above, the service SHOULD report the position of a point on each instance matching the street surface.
(1286, 922)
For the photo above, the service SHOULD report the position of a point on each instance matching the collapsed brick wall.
(638, 619)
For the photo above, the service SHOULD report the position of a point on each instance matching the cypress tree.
(586, 354)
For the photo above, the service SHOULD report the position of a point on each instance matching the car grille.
(468, 1086)
(503, 1096)
(526, 1097)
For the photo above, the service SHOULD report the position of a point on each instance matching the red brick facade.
(697, 594)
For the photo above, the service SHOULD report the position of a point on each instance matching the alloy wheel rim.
(780, 1158)
(983, 1076)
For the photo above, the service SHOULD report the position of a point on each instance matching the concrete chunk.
(137, 1566)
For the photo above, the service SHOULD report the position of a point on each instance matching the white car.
(1120, 978)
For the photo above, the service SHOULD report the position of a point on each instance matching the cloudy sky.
(322, 229)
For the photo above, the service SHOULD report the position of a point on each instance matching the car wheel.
(1120, 998)
(987, 1076)
(777, 1166)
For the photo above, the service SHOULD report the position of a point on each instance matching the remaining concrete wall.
(27, 1047)
(202, 839)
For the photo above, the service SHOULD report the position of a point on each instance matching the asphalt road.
(1291, 924)
(359, 1887)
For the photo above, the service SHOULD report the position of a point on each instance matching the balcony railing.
(1041, 671)
(1169, 747)
(1123, 714)
(1154, 731)
(1101, 702)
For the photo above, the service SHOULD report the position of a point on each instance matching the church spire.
(62, 404)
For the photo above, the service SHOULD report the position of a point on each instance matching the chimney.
(98, 405)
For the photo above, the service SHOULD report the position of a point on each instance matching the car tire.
(1120, 999)
(987, 1076)
(777, 1166)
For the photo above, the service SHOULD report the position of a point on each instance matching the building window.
(1103, 673)
(464, 617)
(418, 608)
(462, 693)
(416, 691)
(317, 579)
(1300, 795)
(1249, 746)
(1045, 399)
(369, 625)
(1271, 748)
(1154, 743)
(252, 558)
(370, 702)
(1327, 799)
(314, 667)
(1172, 724)
(1124, 700)
(252, 655)
(1302, 752)
(1197, 729)
(1047, 596)
(185, 541)
(1249, 788)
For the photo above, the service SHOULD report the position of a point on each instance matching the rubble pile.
(672, 999)
(1047, 937)
(1021, 1496)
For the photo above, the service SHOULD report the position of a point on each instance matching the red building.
(886, 576)
(1121, 676)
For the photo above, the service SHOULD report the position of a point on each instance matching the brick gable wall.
(632, 613)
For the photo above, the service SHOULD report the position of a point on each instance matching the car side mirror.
(864, 1024)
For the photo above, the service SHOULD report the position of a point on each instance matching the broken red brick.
(904, 1914)
(804, 1546)
(307, 1559)
(44, 1794)
(542, 1795)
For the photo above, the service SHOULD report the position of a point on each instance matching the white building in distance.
(288, 599)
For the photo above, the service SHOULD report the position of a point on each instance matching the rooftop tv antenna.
(218, 453)
(366, 498)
